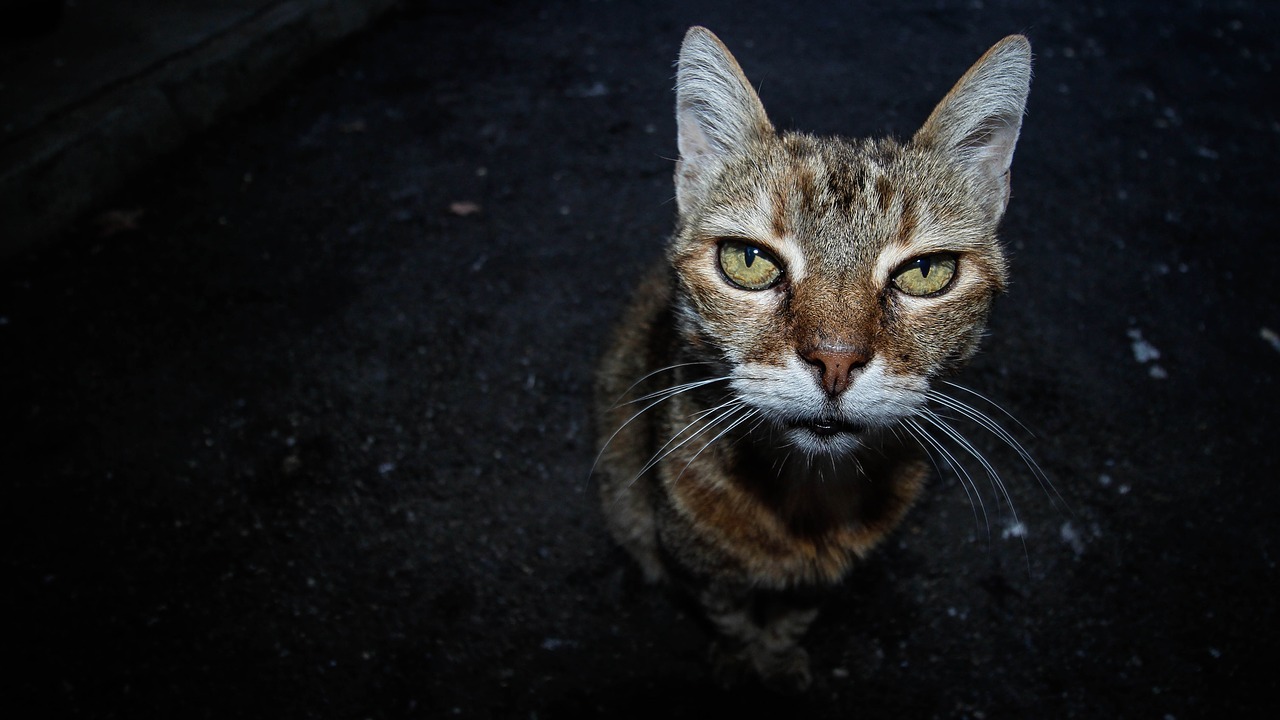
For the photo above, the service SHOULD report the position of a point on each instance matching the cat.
(762, 410)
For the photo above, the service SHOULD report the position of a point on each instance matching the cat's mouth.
(827, 427)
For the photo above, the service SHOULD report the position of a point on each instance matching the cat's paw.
(730, 664)
(786, 672)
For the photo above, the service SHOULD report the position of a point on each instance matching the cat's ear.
(717, 113)
(977, 124)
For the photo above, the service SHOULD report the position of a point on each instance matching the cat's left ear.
(977, 124)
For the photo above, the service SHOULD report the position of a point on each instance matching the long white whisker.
(703, 413)
(747, 416)
(655, 372)
(1005, 436)
(968, 447)
(760, 419)
(674, 390)
(990, 402)
(985, 421)
(996, 480)
(966, 480)
(664, 396)
(734, 406)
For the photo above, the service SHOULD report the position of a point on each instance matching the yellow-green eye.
(925, 275)
(747, 266)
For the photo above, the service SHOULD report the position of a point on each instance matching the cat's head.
(834, 279)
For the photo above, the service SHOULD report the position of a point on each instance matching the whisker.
(990, 402)
(674, 390)
(734, 406)
(750, 412)
(664, 396)
(989, 424)
(996, 480)
(760, 420)
(962, 474)
(992, 473)
(656, 372)
(703, 413)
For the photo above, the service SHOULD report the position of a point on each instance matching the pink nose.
(835, 364)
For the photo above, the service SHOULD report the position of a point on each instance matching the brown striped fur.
(750, 439)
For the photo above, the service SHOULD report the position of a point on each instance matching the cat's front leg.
(758, 637)
(777, 655)
(729, 611)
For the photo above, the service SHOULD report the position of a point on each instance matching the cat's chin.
(825, 437)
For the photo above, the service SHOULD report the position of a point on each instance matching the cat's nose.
(835, 364)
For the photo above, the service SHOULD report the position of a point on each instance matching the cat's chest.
(742, 513)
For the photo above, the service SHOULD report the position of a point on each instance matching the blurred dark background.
(299, 304)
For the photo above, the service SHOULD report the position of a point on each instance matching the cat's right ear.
(717, 113)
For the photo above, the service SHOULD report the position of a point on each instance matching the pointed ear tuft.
(717, 113)
(977, 124)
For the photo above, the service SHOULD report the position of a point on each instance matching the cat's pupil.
(749, 255)
(923, 264)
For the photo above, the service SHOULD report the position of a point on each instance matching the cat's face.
(834, 281)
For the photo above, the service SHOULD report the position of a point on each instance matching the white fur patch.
(791, 396)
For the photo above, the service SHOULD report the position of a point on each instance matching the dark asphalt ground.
(290, 437)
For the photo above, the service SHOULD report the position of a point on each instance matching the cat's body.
(759, 411)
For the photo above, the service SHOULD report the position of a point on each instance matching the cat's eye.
(925, 275)
(748, 266)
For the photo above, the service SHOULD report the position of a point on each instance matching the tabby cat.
(763, 409)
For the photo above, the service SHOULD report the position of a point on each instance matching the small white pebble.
(1072, 537)
(1143, 351)
(553, 644)
(1265, 333)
